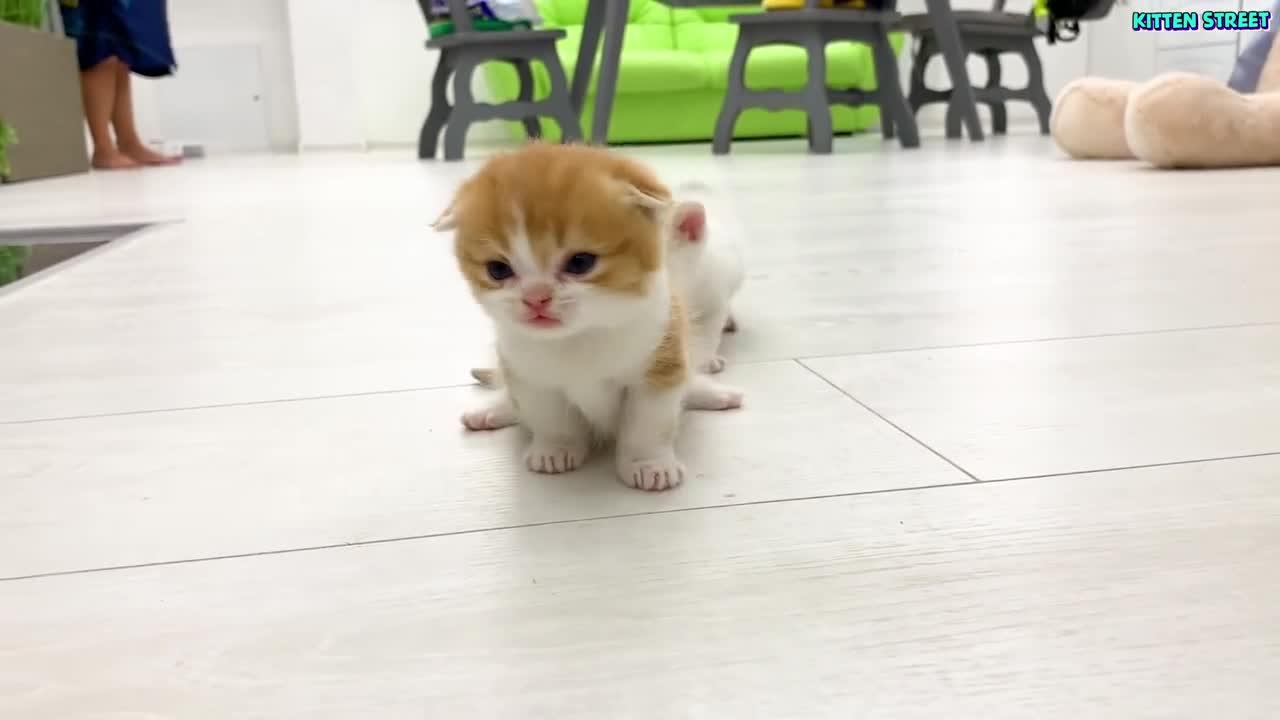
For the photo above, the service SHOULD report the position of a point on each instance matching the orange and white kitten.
(563, 248)
(705, 265)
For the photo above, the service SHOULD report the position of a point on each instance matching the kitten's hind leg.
(561, 438)
(704, 393)
(646, 438)
(498, 414)
(487, 377)
(706, 338)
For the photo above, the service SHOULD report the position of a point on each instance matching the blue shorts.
(134, 31)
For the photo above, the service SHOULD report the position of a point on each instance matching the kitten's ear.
(648, 204)
(447, 220)
(689, 221)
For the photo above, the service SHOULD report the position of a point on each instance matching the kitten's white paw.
(554, 456)
(660, 473)
(489, 418)
(714, 365)
(722, 398)
(703, 393)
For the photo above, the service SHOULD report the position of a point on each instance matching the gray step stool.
(988, 34)
(465, 50)
(813, 29)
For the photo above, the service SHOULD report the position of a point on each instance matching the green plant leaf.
(8, 136)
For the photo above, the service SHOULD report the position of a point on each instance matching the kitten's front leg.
(646, 438)
(561, 439)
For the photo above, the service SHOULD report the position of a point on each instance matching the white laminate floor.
(1011, 449)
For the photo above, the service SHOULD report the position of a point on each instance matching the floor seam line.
(1140, 466)
(247, 403)
(475, 531)
(887, 421)
(1033, 341)
(282, 401)
(600, 518)
(800, 360)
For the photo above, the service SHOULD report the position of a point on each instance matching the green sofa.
(673, 73)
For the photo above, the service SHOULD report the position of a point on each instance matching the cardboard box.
(40, 98)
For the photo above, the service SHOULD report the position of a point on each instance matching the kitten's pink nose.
(537, 297)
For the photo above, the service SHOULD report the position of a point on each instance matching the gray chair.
(465, 50)
(813, 28)
(988, 34)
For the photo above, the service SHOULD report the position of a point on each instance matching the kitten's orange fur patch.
(565, 199)
(668, 368)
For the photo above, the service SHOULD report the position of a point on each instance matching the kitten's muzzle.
(537, 298)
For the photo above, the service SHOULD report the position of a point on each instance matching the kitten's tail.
(488, 377)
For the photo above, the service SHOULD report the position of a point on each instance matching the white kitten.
(706, 267)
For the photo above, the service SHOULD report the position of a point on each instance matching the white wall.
(327, 89)
(1116, 51)
(206, 23)
(395, 71)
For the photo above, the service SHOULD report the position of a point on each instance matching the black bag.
(1062, 20)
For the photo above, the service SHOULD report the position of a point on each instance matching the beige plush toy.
(1176, 120)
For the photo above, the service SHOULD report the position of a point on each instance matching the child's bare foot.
(113, 160)
(144, 155)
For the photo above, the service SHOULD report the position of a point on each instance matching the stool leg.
(814, 97)
(464, 109)
(886, 124)
(532, 128)
(438, 116)
(889, 92)
(1035, 86)
(918, 95)
(607, 72)
(999, 117)
(953, 119)
(561, 103)
(734, 94)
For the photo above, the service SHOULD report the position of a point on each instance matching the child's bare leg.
(127, 137)
(98, 91)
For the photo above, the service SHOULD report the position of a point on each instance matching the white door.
(215, 99)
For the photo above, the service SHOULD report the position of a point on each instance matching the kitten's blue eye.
(499, 270)
(580, 263)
